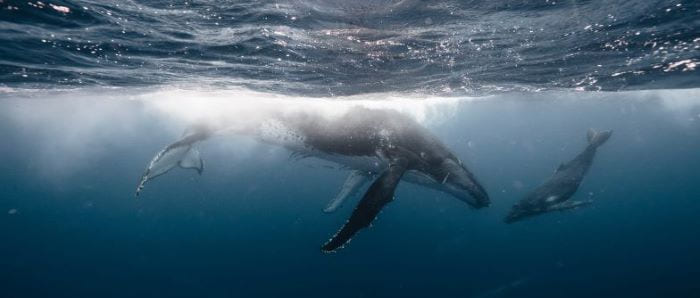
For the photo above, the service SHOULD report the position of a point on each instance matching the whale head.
(516, 214)
(534, 204)
(455, 179)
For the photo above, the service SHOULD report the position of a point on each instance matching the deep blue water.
(91, 90)
(252, 224)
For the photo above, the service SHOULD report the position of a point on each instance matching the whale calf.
(381, 146)
(554, 194)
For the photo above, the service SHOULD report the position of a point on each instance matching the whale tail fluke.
(598, 138)
(182, 153)
(168, 158)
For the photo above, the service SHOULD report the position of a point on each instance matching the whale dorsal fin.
(379, 194)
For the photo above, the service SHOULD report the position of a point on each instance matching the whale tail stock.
(597, 139)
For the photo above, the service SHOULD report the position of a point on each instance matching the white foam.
(246, 105)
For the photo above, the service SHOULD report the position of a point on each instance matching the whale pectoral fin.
(569, 205)
(352, 184)
(192, 160)
(379, 194)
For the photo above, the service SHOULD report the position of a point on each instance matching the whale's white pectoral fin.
(352, 184)
(569, 205)
(192, 160)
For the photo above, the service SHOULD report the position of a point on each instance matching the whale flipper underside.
(569, 205)
(352, 184)
(379, 194)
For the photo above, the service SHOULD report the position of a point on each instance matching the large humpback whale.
(554, 194)
(373, 143)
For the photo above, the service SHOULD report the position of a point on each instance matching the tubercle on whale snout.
(480, 200)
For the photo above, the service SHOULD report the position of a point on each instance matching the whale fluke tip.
(142, 183)
(596, 138)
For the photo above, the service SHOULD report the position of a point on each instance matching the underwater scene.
(373, 148)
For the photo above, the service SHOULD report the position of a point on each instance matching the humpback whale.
(381, 146)
(554, 194)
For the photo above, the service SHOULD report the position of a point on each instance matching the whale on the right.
(554, 194)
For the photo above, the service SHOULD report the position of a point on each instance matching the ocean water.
(91, 90)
